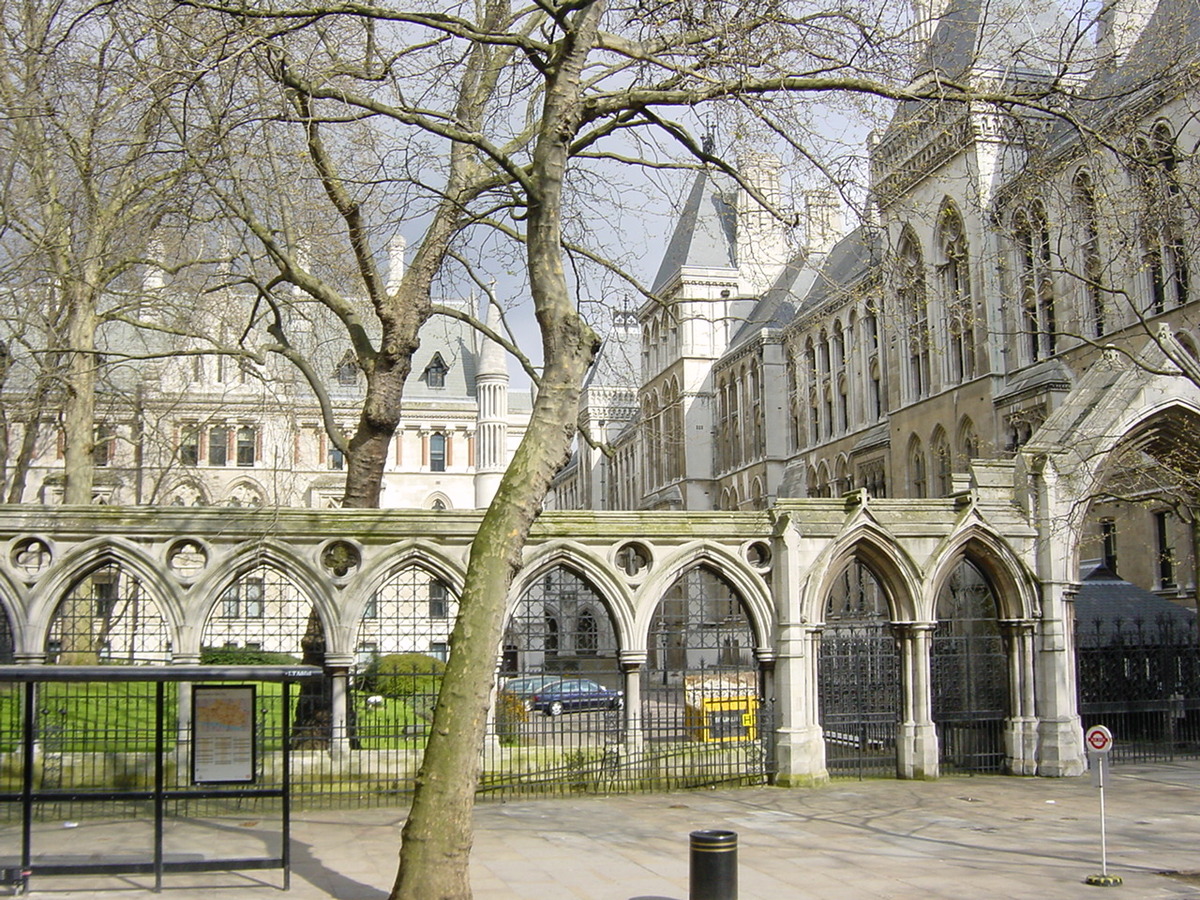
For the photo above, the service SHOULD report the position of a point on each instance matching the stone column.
(800, 742)
(632, 664)
(338, 671)
(1020, 732)
(917, 743)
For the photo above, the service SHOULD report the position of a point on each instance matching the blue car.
(575, 695)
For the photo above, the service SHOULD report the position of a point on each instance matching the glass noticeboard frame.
(224, 737)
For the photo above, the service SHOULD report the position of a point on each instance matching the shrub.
(241, 656)
(403, 675)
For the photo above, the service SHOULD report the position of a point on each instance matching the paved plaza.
(984, 836)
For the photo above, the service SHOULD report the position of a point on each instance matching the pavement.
(956, 837)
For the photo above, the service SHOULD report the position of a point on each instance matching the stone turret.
(762, 249)
(491, 427)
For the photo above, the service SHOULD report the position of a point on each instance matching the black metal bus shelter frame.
(32, 675)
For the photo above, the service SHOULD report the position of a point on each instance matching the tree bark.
(437, 837)
(79, 396)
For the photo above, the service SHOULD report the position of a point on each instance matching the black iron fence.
(1142, 681)
(92, 736)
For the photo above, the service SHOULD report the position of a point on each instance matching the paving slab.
(958, 836)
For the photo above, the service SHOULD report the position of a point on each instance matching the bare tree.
(524, 103)
(89, 177)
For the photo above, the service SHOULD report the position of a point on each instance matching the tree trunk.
(437, 837)
(79, 403)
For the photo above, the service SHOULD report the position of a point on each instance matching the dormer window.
(435, 372)
(347, 370)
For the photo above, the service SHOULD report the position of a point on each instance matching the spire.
(492, 359)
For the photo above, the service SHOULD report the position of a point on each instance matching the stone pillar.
(632, 664)
(1060, 733)
(917, 743)
(1020, 731)
(338, 672)
(800, 742)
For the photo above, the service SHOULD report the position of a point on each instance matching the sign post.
(1099, 741)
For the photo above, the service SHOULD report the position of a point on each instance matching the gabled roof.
(706, 231)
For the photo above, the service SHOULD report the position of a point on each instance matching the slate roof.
(850, 260)
(705, 232)
(1107, 605)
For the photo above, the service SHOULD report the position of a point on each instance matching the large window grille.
(858, 687)
(262, 610)
(107, 616)
(410, 613)
(970, 674)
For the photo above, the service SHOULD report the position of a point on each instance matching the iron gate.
(858, 691)
(705, 718)
(969, 675)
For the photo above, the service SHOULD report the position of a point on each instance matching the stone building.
(1001, 254)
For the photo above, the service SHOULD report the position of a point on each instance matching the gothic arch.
(297, 569)
(750, 586)
(892, 567)
(377, 573)
(1012, 584)
(87, 558)
(595, 570)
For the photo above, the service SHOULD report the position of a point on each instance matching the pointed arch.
(265, 594)
(1013, 585)
(749, 585)
(89, 556)
(866, 542)
(597, 571)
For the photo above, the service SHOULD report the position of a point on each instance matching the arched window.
(1036, 283)
(939, 449)
(917, 479)
(1163, 251)
(1091, 265)
(915, 307)
(587, 634)
(956, 294)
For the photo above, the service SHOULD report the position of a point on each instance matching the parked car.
(574, 695)
(525, 687)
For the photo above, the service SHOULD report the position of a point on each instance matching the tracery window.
(956, 291)
(1036, 282)
(1092, 267)
(915, 306)
(1163, 252)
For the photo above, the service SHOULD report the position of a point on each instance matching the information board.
(223, 734)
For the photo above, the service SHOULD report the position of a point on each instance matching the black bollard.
(714, 865)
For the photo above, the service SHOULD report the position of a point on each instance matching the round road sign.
(1098, 739)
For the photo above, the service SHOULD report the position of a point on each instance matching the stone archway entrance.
(970, 675)
(704, 715)
(858, 681)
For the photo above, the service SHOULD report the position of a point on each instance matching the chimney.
(762, 248)
(825, 222)
(396, 262)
